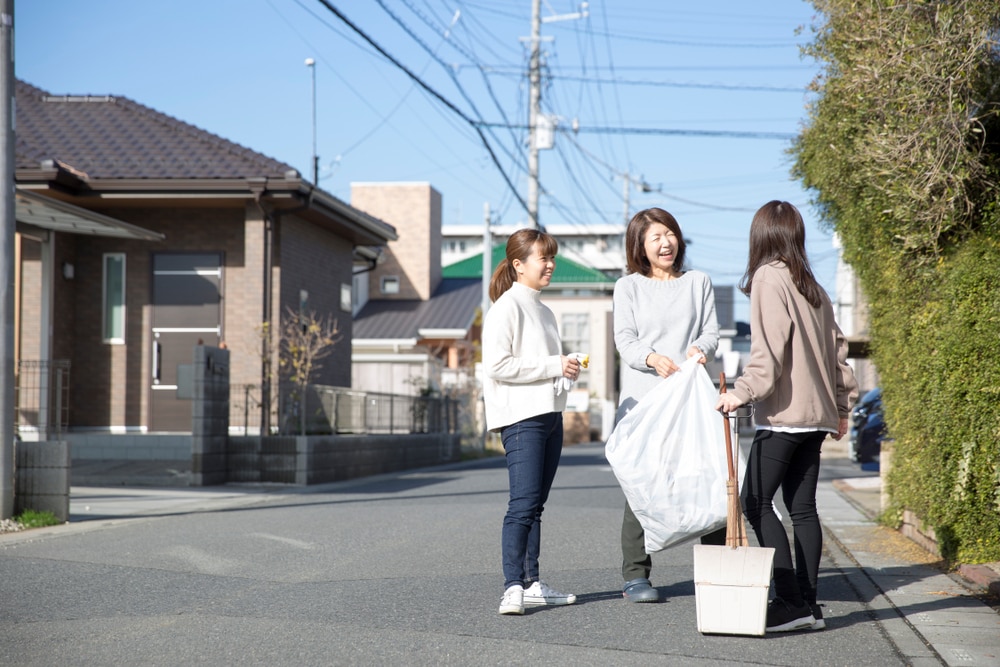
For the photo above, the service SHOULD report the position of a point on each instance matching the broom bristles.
(736, 531)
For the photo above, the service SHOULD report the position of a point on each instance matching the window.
(390, 285)
(346, 298)
(114, 298)
(575, 332)
(576, 338)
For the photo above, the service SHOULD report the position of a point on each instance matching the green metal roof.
(567, 271)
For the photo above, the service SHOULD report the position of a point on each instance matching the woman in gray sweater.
(662, 316)
(802, 389)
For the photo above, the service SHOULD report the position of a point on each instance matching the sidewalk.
(865, 494)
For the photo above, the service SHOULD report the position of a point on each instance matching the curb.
(982, 575)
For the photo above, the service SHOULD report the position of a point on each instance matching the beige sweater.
(798, 375)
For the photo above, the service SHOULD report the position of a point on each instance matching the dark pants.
(789, 461)
(534, 447)
(636, 563)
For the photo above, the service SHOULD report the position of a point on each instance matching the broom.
(736, 530)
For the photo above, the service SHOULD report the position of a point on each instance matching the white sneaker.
(512, 601)
(540, 594)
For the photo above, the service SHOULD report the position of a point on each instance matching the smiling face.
(661, 245)
(535, 271)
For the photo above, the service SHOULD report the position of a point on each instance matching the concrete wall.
(320, 459)
(129, 447)
(42, 478)
(210, 416)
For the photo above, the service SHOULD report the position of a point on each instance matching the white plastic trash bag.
(669, 455)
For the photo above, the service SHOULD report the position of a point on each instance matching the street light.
(311, 64)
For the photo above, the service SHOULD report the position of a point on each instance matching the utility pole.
(311, 64)
(534, 97)
(627, 187)
(7, 225)
(487, 258)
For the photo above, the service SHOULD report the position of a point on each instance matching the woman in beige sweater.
(802, 389)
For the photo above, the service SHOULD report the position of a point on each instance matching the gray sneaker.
(640, 590)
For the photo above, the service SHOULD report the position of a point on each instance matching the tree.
(305, 341)
(902, 154)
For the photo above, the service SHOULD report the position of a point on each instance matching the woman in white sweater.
(523, 363)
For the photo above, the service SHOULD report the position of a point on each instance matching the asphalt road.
(404, 570)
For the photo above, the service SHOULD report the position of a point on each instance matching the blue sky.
(709, 85)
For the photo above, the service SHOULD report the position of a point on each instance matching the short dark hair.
(635, 235)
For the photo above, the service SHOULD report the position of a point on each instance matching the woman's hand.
(695, 352)
(571, 368)
(663, 366)
(841, 429)
(727, 403)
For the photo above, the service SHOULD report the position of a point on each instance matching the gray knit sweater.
(662, 316)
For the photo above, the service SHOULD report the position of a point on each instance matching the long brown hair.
(520, 245)
(635, 240)
(778, 233)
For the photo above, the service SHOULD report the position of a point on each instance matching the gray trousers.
(636, 563)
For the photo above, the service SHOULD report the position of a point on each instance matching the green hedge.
(902, 153)
(941, 386)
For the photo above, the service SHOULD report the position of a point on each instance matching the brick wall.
(318, 262)
(414, 209)
(110, 382)
(31, 285)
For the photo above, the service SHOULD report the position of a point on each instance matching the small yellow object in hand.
(585, 362)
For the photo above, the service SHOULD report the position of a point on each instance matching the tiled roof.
(452, 306)
(110, 137)
(567, 271)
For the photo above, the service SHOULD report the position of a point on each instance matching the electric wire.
(451, 74)
(430, 91)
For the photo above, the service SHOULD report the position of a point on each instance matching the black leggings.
(789, 461)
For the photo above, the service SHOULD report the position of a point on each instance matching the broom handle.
(729, 437)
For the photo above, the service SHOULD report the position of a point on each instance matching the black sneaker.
(783, 617)
(818, 622)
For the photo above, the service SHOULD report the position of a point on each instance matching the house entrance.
(186, 301)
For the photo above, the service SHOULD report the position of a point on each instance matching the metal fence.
(42, 407)
(41, 399)
(328, 410)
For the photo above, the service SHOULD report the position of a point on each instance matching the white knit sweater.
(522, 355)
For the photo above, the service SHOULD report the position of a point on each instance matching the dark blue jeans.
(789, 461)
(533, 448)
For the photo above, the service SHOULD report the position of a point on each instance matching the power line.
(451, 72)
(728, 134)
(709, 45)
(474, 124)
(677, 84)
(714, 207)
